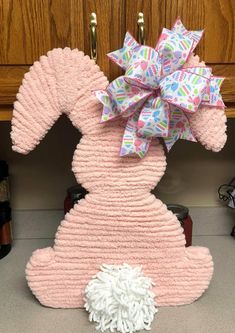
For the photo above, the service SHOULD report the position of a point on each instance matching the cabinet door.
(217, 46)
(154, 18)
(30, 28)
(216, 17)
(114, 18)
(110, 31)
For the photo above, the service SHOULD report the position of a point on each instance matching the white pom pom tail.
(120, 298)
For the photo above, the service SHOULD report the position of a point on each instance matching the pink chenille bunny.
(119, 221)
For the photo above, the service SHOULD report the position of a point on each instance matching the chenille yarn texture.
(119, 221)
(119, 298)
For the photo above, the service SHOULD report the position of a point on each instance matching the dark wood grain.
(230, 111)
(110, 31)
(11, 77)
(154, 16)
(217, 17)
(29, 28)
(5, 113)
(228, 86)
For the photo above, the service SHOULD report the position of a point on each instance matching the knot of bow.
(158, 89)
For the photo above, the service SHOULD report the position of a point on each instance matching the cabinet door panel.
(217, 17)
(29, 28)
(154, 17)
(110, 31)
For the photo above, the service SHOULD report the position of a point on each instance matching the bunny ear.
(61, 82)
(208, 124)
(209, 127)
(37, 105)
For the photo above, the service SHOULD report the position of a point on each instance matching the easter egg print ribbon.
(157, 92)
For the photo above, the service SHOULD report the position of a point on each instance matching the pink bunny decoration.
(119, 220)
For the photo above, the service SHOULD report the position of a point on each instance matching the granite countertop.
(214, 312)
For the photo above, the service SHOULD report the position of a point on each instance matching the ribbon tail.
(179, 128)
(131, 142)
(212, 96)
(184, 89)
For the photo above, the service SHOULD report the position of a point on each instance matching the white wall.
(39, 180)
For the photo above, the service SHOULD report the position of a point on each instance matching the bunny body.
(119, 220)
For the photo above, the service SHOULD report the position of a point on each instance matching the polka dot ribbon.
(157, 92)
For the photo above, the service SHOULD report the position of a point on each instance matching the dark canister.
(5, 211)
(182, 214)
(74, 194)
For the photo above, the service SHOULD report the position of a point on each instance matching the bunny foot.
(186, 280)
(60, 285)
(53, 283)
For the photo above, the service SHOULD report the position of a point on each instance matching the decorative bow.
(157, 91)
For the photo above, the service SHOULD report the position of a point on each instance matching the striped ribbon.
(157, 90)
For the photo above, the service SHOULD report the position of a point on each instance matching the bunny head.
(63, 82)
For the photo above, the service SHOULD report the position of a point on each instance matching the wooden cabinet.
(30, 28)
(217, 47)
(110, 30)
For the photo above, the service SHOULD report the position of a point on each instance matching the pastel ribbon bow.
(157, 92)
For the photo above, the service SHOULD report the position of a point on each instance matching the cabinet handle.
(141, 29)
(93, 36)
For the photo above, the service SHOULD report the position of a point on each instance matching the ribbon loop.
(126, 97)
(132, 143)
(158, 90)
(144, 68)
(179, 128)
(183, 89)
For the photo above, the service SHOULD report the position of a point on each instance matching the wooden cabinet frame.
(30, 28)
